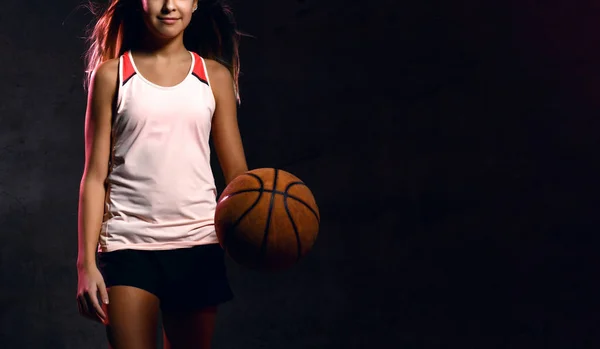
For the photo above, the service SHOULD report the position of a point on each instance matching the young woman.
(162, 79)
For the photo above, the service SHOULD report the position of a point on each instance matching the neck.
(162, 47)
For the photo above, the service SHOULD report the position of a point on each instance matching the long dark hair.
(212, 33)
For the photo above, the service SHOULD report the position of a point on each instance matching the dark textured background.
(452, 149)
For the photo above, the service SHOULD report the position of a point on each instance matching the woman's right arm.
(97, 151)
(90, 283)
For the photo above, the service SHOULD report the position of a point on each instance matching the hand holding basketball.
(267, 219)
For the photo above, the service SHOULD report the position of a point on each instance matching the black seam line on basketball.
(260, 182)
(255, 176)
(262, 186)
(260, 191)
(285, 195)
(299, 244)
(305, 204)
(263, 246)
(227, 236)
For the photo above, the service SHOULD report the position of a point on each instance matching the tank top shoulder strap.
(126, 68)
(126, 71)
(200, 71)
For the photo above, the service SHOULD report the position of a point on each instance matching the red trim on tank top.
(128, 69)
(199, 70)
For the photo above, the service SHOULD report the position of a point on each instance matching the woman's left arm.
(225, 130)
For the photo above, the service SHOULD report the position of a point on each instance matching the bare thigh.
(132, 318)
(184, 330)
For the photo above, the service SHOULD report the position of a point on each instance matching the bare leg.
(184, 330)
(132, 318)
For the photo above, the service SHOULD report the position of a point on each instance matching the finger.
(81, 305)
(106, 320)
(95, 305)
(84, 308)
(79, 308)
(103, 292)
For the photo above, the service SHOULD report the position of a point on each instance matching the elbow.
(93, 179)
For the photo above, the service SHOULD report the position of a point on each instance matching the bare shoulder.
(217, 72)
(106, 76)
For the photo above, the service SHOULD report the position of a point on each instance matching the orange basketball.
(267, 219)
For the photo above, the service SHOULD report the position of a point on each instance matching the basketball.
(267, 219)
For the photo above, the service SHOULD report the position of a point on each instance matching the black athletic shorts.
(183, 279)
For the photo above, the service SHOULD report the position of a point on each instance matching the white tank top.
(161, 192)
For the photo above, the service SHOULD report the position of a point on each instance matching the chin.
(166, 32)
(163, 34)
(169, 35)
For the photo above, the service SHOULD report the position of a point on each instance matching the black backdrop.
(451, 148)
